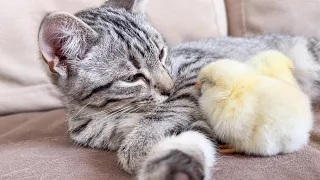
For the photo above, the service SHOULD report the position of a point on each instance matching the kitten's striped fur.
(116, 76)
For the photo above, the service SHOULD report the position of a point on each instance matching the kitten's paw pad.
(180, 176)
(174, 166)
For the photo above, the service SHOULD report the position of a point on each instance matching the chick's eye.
(291, 69)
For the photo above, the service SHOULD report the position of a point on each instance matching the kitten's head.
(106, 56)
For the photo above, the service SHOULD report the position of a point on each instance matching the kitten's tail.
(189, 155)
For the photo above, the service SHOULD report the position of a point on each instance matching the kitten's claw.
(180, 176)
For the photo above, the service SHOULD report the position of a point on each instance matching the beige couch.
(34, 143)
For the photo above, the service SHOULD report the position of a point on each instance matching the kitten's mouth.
(159, 98)
(162, 99)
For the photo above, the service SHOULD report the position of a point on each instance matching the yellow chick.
(252, 113)
(274, 64)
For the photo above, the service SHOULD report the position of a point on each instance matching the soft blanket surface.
(36, 146)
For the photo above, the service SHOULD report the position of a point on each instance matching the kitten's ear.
(134, 6)
(63, 36)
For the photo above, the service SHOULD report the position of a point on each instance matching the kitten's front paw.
(129, 158)
(173, 166)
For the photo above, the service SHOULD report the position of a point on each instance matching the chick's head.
(224, 73)
(273, 64)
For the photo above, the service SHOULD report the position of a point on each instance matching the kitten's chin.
(160, 99)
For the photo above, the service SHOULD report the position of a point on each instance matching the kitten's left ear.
(134, 6)
(62, 37)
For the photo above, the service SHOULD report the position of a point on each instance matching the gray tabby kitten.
(126, 92)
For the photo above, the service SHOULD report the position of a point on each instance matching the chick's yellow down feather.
(252, 113)
(274, 64)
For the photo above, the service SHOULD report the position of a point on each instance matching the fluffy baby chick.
(274, 64)
(252, 113)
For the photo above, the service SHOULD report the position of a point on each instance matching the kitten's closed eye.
(135, 78)
(162, 55)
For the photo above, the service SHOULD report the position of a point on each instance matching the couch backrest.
(23, 84)
(254, 17)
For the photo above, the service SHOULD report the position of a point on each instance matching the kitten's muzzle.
(165, 89)
(164, 84)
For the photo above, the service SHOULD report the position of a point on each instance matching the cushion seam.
(216, 16)
(243, 18)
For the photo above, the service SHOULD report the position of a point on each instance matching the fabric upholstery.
(187, 20)
(252, 17)
(23, 84)
(36, 146)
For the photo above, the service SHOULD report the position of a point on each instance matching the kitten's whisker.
(126, 111)
(125, 108)
(108, 110)
(118, 110)
(79, 111)
(122, 110)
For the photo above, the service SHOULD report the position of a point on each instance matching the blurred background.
(24, 87)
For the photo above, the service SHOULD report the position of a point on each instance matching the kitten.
(125, 91)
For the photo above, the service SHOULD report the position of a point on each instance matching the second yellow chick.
(252, 113)
(274, 64)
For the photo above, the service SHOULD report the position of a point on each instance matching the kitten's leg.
(152, 153)
(188, 156)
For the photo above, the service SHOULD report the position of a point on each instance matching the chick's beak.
(198, 85)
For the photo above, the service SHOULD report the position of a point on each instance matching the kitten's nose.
(165, 91)
(164, 84)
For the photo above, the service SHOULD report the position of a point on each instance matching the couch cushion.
(252, 17)
(187, 20)
(36, 146)
(23, 84)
